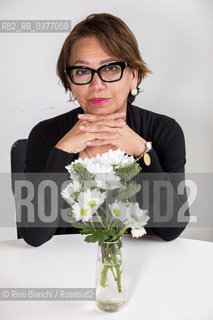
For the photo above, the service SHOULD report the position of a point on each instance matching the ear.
(134, 83)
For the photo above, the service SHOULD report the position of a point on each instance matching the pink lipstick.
(99, 100)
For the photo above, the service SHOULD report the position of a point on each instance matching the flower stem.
(91, 223)
(119, 233)
(110, 223)
(117, 268)
(104, 276)
(96, 212)
(111, 262)
(113, 273)
(118, 272)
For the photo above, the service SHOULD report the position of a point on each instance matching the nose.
(97, 83)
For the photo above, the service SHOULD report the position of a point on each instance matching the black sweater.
(167, 156)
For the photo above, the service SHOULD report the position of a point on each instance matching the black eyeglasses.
(108, 73)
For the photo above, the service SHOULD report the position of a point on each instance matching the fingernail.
(80, 115)
(117, 135)
(81, 127)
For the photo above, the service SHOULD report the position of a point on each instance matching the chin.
(100, 110)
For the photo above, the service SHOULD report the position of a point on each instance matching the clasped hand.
(99, 130)
(111, 129)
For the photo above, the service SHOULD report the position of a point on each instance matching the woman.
(101, 66)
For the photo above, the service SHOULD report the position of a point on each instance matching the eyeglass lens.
(108, 73)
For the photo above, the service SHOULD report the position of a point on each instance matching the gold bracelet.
(139, 157)
(145, 155)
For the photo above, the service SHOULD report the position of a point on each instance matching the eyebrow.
(101, 62)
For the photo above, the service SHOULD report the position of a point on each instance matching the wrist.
(64, 147)
(141, 150)
(148, 147)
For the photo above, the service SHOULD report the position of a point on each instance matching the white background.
(176, 40)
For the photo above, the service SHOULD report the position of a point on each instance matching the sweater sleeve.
(41, 153)
(43, 162)
(168, 159)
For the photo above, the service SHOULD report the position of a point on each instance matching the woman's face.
(88, 53)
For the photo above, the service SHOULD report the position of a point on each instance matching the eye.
(82, 72)
(111, 68)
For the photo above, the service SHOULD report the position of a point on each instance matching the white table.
(164, 280)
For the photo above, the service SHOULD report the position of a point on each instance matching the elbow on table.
(35, 242)
(34, 238)
(173, 232)
(169, 234)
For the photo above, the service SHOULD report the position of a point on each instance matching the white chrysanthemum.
(88, 202)
(115, 157)
(136, 217)
(68, 192)
(108, 181)
(91, 164)
(71, 171)
(138, 232)
(95, 167)
(102, 162)
(91, 198)
(80, 212)
(68, 167)
(118, 210)
(88, 163)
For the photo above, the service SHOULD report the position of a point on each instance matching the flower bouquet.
(99, 203)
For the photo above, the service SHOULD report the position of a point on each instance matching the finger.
(96, 117)
(104, 125)
(112, 123)
(98, 142)
(102, 136)
(106, 135)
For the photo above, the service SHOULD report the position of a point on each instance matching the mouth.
(98, 100)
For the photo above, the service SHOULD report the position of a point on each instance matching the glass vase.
(110, 291)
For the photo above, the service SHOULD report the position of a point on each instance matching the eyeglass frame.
(122, 64)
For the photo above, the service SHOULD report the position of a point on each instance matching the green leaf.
(82, 174)
(111, 233)
(87, 230)
(119, 243)
(128, 172)
(78, 225)
(128, 192)
(69, 211)
(99, 235)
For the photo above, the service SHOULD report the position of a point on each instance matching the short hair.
(115, 38)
